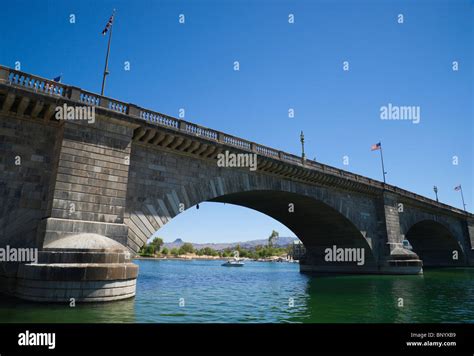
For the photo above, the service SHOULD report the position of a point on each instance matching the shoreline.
(211, 258)
(178, 258)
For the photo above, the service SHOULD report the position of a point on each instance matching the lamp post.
(302, 146)
(435, 189)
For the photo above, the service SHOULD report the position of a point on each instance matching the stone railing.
(200, 131)
(290, 158)
(267, 151)
(32, 82)
(88, 98)
(49, 87)
(157, 118)
(236, 142)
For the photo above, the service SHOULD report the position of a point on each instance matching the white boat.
(233, 263)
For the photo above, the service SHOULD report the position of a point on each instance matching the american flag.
(376, 147)
(458, 187)
(109, 24)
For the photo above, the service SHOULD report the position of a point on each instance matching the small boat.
(233, 263)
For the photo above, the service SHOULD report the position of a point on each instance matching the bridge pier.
(396, 259)
(83, 267)
(469, 237)
(81, 236)
(384, 245)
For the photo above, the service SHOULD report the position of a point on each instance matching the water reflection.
(18, 311)
(267, 292)
(444, 295)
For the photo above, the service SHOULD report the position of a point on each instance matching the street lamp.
(435, 189)
(302, 146)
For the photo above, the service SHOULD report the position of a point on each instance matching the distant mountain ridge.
(281, 241)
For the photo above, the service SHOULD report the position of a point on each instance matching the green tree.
(165, 251)
(174, 252)
(208, 251)
(186, 248)
(157, 243)
(243, 253)
(274, 235)
(149, 250)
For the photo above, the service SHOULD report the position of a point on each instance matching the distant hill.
(281, 241)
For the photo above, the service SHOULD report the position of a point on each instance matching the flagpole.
(462, 197)
(106, 69)
(381, 157)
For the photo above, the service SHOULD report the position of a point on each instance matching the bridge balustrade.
(118, 106)
(89, 98)
(160, 119)
(237, 142)
(35, 83)
(200, 131)
(290, 158)
(267, 151)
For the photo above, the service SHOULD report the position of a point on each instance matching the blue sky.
(282, 66)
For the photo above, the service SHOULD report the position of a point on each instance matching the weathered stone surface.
(85, 241)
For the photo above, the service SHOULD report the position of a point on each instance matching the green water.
(268, 292)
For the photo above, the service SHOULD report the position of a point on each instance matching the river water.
(172, 291)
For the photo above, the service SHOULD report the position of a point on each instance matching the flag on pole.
(57, 79)
(458, 188)
(376, 147)
(108, 25)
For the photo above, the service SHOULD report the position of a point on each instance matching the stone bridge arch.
(434, 237)
(321, 217)
(435, 243)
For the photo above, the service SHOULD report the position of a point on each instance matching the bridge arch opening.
(435, 244)
(220, 225)
(316, 224)
(319, 226)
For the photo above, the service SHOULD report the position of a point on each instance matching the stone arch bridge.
(88, 195)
